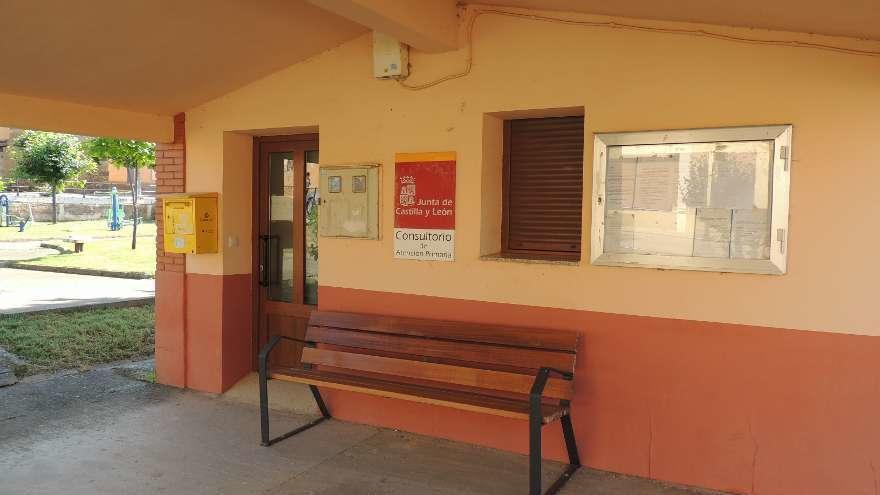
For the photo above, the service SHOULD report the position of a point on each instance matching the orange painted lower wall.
(170, 323)
(204, 330)
(737, 408)
(238, 322)
(204, 338)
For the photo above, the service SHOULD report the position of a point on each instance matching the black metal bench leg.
(574, 460)
(535, 424)
(264, 390)
(320, 401)
(264, 411)
(264, 400)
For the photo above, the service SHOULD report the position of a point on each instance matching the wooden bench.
(522, 373)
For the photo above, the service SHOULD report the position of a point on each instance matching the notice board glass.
(704, 199)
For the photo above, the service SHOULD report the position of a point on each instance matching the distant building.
(119, 175)
(6, 136)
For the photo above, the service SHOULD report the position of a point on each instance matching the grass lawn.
(42, 231)
(77, 339)
(114, 255)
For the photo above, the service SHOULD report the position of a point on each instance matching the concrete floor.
(23, 291)
(99, 432)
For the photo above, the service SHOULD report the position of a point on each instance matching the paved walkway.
(23, 250)
(99, 432)
(23, 291)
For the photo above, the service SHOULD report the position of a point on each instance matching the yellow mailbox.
(190, 223)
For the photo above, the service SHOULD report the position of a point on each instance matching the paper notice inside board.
(750, 234)
(694, 179)
(620, 181)
(702, 200)
(733, 180)
(712, 233)
(619, 232)
(663, 233)
(656, 183)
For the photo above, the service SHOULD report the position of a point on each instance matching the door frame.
(258, 142)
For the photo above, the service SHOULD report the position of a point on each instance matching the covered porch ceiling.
(848, 18)
(142, 61)
(156, 56)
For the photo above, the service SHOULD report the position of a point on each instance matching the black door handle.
(266, 259)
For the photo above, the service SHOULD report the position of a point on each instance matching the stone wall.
(70, 212)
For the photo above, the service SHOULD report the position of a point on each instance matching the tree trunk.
(135, 184)
(54, 205)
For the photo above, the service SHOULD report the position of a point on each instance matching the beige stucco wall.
(50, 115)
(624, 80)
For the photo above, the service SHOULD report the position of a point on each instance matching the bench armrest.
(565, 375)
(294, 339)
(263, 357)
(541, 381)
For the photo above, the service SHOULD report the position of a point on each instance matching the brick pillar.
(170, 178)
(170, 267)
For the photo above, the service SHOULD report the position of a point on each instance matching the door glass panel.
(282, 187)
(311, 226)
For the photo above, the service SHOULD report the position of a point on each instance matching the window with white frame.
(704, 199)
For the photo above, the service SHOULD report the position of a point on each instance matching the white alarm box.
(390, 57)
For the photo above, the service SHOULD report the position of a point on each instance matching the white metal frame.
(781, 171)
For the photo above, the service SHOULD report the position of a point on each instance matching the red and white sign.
(424, 206)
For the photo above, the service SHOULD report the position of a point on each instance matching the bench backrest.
(460, 355)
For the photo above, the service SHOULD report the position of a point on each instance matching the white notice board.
(705, 199)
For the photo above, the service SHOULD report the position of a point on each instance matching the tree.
(55, 160)
(134, 156)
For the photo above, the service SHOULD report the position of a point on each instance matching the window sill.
(533, 261)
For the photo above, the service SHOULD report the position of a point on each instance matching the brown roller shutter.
(543, 187)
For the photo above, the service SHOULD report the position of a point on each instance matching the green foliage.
(130, 154)
(2, 184)
(77, 339)
(56, 160)
(312, 232)
(106, 255)
(122, 152)
(43, 231)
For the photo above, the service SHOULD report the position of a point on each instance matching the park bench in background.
(79, 242)
(521, 373)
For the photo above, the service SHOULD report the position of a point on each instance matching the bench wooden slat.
(415, 393)
(429, 359)
(488, 392)
(533, 338)
(525, 359)
(473, 377)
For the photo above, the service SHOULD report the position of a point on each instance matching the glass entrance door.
(287, 239)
